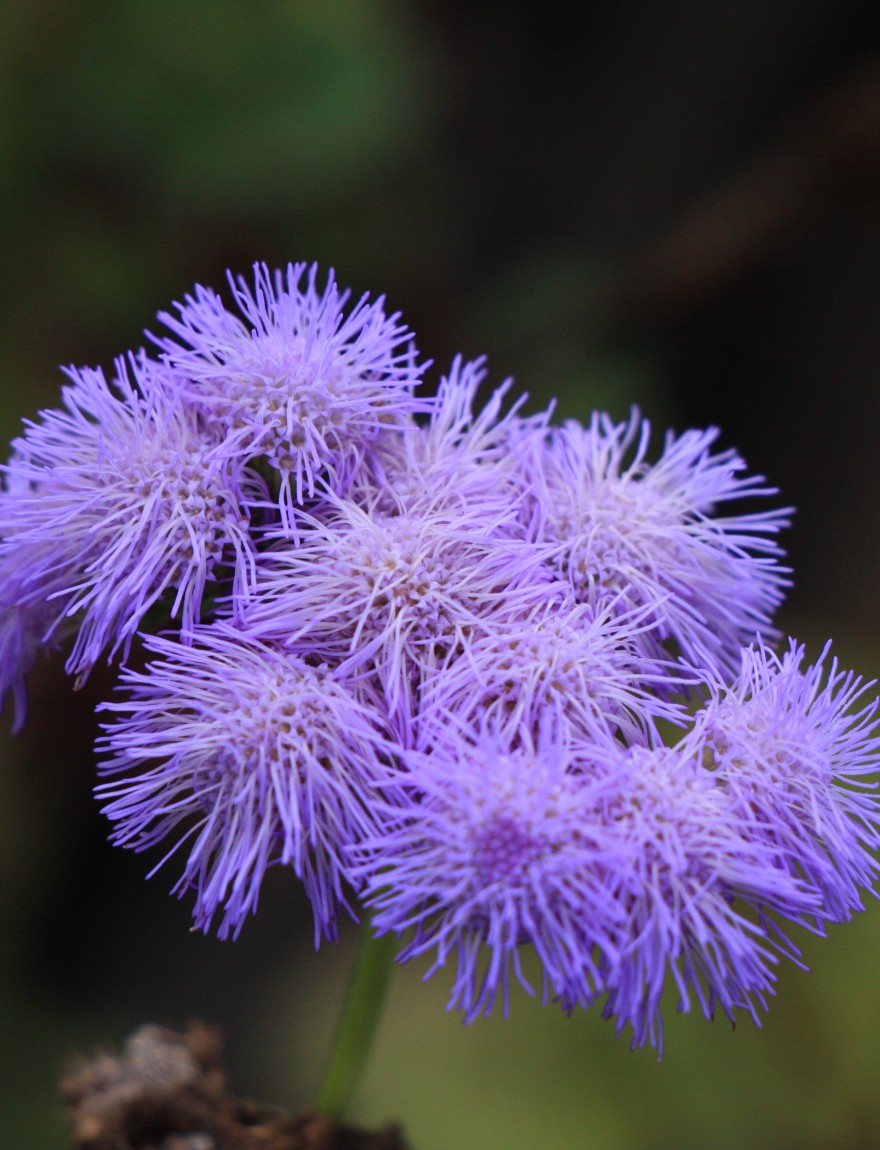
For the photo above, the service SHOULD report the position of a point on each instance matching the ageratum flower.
(245, 757)
(400, 595)
(621, 867)
(636, 534)
(795, 748)
(495, 850)
(570, 666)
(28, 616)
(430, 663)
(694, 891)
(119, 499)
(461, 455)
(299, 382)
(27, 626)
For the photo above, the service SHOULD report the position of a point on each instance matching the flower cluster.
(502, 685)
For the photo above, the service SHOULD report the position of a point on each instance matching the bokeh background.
(661, 202)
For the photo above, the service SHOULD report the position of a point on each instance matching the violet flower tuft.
(638, 534)
(296, 380)
(118, 500)
(252, 758)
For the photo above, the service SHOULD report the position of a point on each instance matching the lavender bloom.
(27, 614)
(689, 868)
(117, 500)
(252, 758)
(793, 754)
(621, 867)
(27, 625)
(299, 382)
(400, 594)
(459, 457)
(569, 666)
(649, 535)
(495, 850)
(429, 662)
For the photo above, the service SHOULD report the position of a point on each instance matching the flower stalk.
(357, 1025)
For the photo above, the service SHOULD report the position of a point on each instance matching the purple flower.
(297, 381)
(246, 757)
(622, 868)
(793, 747)
(27, 624)
(458, 458)
(429, 663)
(496, 849)
(28, 617)
(568, 666)
(399, 594)
(118, 500)
(685, 871)
(638, 534)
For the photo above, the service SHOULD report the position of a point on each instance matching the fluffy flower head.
(685, 871)
(461, 456)
(431, 662)
(119, 499)
(497, 853)
(296, 379)
(402, 593)
(794, 749)
(638, 534)
(563, 664)
(250, 756)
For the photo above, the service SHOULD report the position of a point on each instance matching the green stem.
(357, 1023)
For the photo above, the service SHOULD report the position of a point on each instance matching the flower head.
(460, 457)
(296, 381)
(401, 594)
(638, 534)
(431, 663)
(794, 749)
(119, 499)
(495, 850)
(621, 867)
(27, 626)
(567, 665)
(685, 873)
(252, 757)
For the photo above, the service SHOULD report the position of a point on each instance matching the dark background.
(673, 204)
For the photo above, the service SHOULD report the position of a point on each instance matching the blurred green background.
(673, 204)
